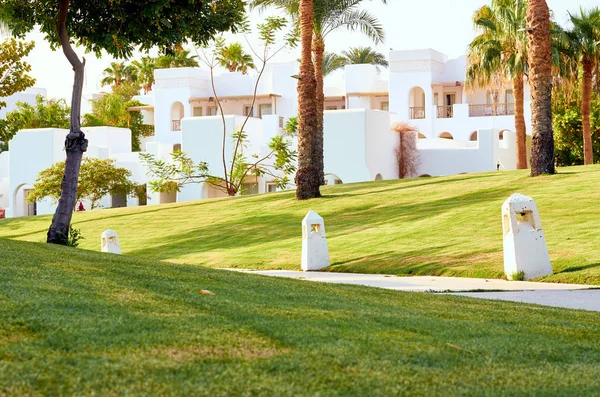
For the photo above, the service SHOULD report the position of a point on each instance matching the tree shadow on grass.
(573, 269)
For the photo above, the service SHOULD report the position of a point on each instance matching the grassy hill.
(76, 322)
(434, 226)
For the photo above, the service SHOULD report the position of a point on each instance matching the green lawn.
(435, 226)
(76, 322)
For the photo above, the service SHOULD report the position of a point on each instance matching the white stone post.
(109, 242)
(315, 253)
(525, 247)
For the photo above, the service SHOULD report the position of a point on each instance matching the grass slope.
(434, 226)
(76, 322)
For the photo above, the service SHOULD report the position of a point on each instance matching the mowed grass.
(76, 322)
(429, 226)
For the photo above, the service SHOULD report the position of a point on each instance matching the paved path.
(572, 296)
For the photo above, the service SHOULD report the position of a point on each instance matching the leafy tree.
(111, 110)
(117, 27)
(14, 70)
(499, 52)
(144, 70)
(235, 59)
(584, 42)
(364, 55)
(117, 73)
(97, 179)
(180, 59)
(328, 16)
(539, 49)
(46, 113)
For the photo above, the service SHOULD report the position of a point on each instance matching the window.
(385, 106)
(331, 108)
(198, 111)
(265, 110)
(271, 187)
(212, 110)
(249, 188)
(492, 97)
(436, 99)
(248, 110)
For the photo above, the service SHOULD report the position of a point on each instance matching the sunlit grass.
(435, 226)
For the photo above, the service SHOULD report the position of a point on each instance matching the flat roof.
(234, 97)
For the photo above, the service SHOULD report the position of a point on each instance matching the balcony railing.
(176, 125)
(417, 113)
(503, 109)
(445, 112)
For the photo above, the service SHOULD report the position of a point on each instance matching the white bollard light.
(525, 249)
(109, 241)
(315, 253)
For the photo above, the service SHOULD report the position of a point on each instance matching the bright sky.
(444, 25)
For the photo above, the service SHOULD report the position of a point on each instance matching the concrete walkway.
(571, 296)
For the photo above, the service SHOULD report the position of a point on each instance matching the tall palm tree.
(364, 55)
(144, 70)
(540, 81)
(235, 59)
(329, 16)
(584, 42)
(308, 179)
(117, 73)
(331, 63)
(500, 52)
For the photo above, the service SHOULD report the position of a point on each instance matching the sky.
(444, 25)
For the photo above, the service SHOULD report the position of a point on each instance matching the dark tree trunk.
(540, 78)
(307, 177)
(75, 143)
(586, 108)
(520, 127)
(318, 138)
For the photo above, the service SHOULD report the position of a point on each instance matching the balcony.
(445, 112)
(176, 125)
(417, 113)
(503, 109)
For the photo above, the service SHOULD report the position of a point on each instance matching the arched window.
(446, 135)
(474, 136)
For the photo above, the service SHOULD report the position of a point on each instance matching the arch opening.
(177, 113)
(446, 135)
(416, 103)
(332, 179)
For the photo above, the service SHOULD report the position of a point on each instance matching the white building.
(461, 130)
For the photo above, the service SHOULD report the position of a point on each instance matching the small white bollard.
(315, 253)
(109, 241)
(525, 248)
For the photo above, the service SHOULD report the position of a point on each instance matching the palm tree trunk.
(586, 107)
(318, 51)
(540, 77)
(521, 129)
(307, 177)
(75, 143)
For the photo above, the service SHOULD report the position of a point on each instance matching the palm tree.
(499, 52)
(584, 42)
(179, 59)
(144, 70)
(540, 81)
(235, 59)
(329, 15)
(308, 179)
(331, 63)
(117, 73)
(364, 55)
